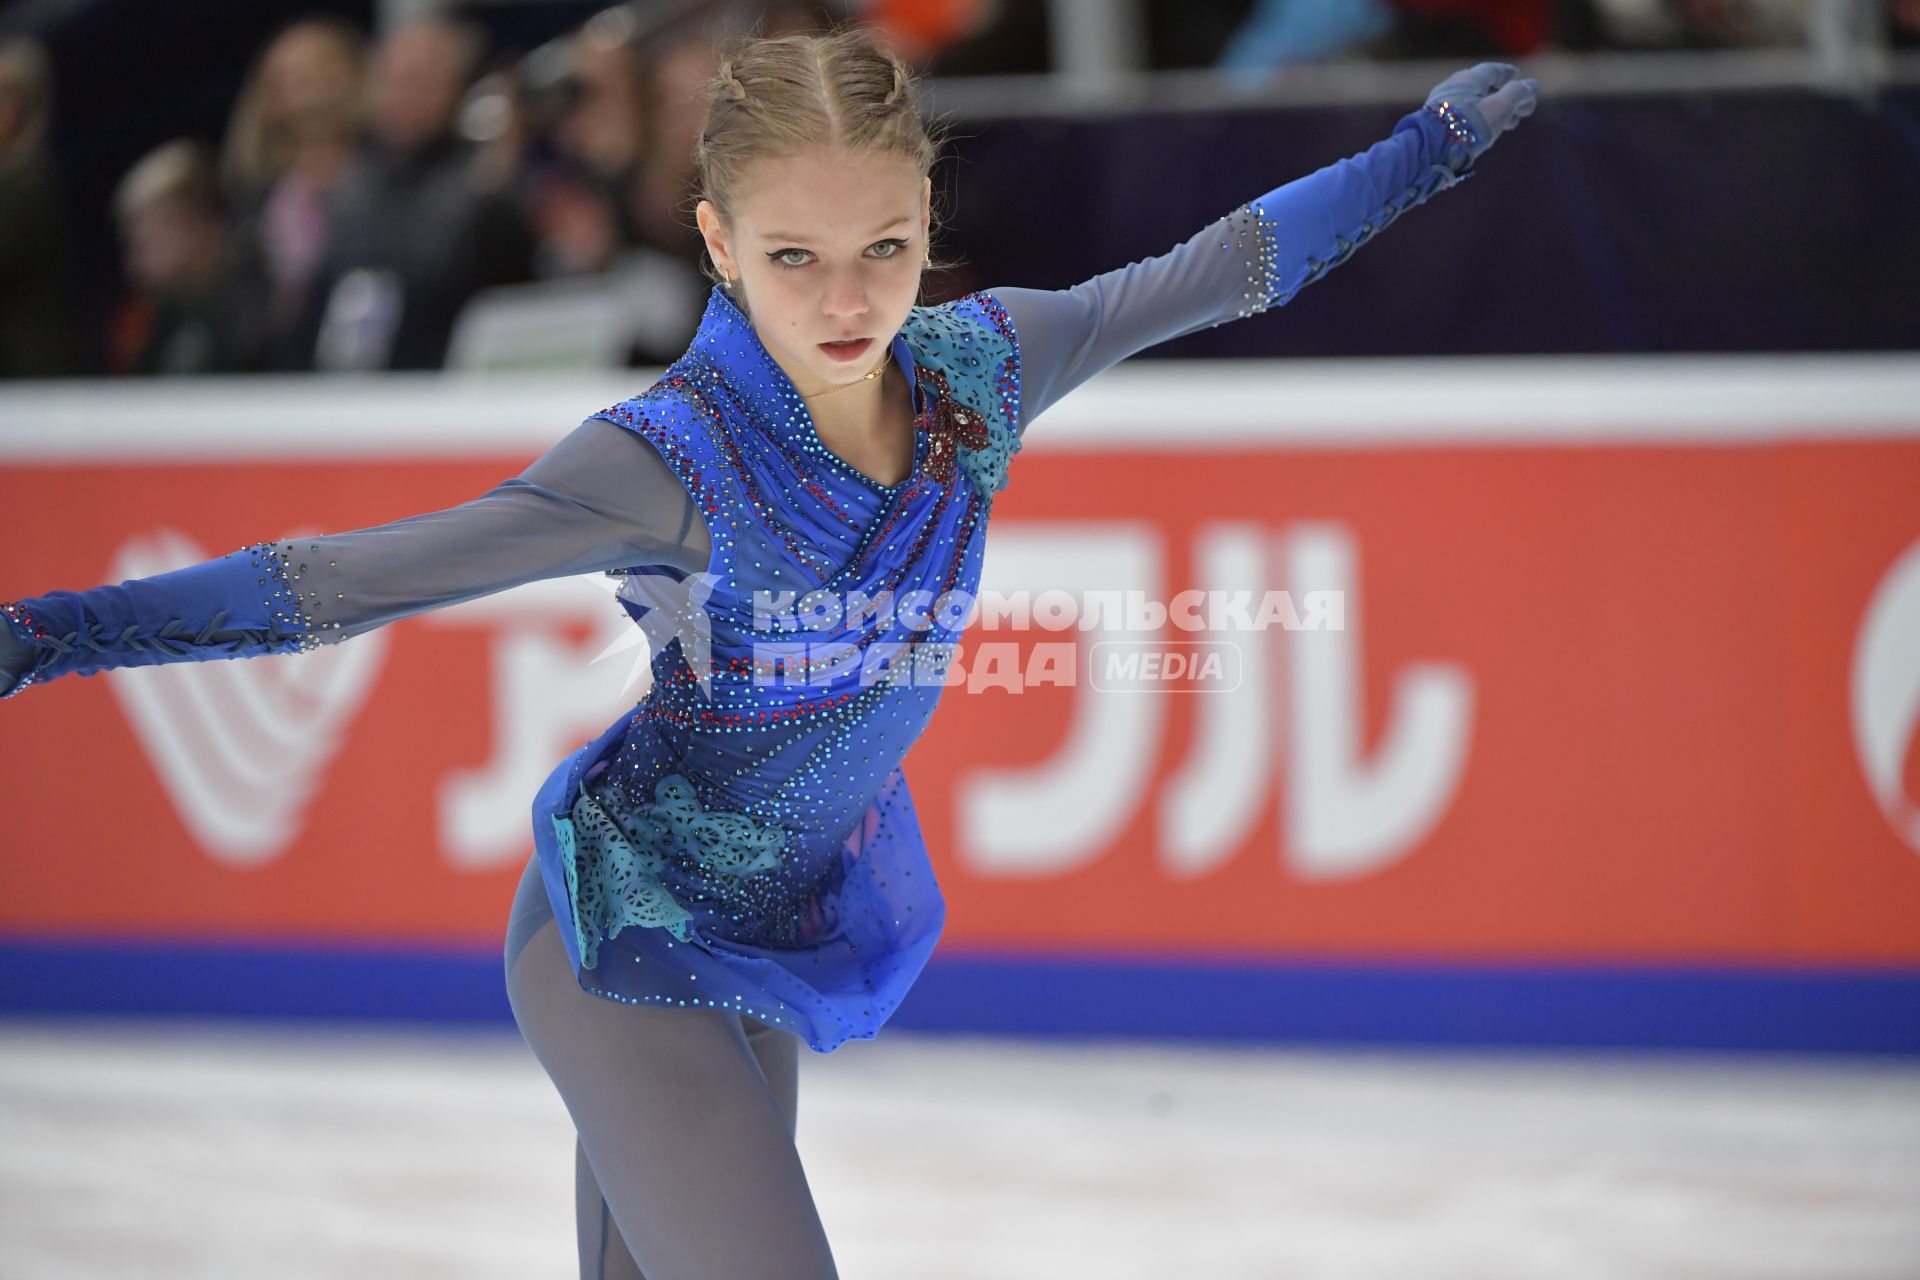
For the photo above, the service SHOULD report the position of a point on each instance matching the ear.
(926, 206)
(715, 234)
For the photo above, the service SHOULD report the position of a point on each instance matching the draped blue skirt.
(666, 894)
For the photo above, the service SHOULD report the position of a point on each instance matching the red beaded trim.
(1007, 377)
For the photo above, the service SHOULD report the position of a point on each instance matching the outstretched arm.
(602, 498)
(1261, 254)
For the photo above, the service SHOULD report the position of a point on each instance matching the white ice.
(171, 1149)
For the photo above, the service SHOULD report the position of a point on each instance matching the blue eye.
(779, 256)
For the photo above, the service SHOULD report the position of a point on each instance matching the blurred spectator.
(647, 120)
(675, 68)
(602, 128)
(1667, 24)
(782, 17)
(494, 119)
(1717, 23)
(415, 230)
(192, 310)
(292, 133)
(579, 202)
(921, 30)
(1277, 33)
(611, 294)
(1470, 28)
(1016, 39)
(37, 323)
(1282, 32)
(1903, 24)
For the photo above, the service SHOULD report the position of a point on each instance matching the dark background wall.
(1730, 221)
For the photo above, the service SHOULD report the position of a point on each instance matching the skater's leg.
(778, 1053)
(603, 1254)
(688, 1144)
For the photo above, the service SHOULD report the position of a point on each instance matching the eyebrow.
(787, 235)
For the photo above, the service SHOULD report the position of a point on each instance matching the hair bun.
(899, 84)
(730, 86)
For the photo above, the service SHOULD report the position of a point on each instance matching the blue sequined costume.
(751, 844)
(745, 838)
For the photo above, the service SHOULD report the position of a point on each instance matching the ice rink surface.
(171, 1149)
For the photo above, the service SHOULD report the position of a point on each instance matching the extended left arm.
(1264, 252)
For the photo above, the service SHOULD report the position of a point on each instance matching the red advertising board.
(1611, 685)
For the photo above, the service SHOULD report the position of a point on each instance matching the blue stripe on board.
(1560, 1006)
(1588, 1006)
(246, 980)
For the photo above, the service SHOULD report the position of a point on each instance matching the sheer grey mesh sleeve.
(601, 498)
(1256, 257)
(1069, 335)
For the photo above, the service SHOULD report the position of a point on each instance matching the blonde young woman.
(293, 131)
(734, 868)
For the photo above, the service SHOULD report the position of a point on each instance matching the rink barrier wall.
(1618, 748)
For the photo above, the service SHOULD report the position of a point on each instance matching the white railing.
(1140, 405)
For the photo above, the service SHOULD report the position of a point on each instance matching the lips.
(847, 350)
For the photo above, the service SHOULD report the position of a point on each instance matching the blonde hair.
(774, 97)
(257, 148)
(181, 171)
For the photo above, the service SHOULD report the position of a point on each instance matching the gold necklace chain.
(865, 377)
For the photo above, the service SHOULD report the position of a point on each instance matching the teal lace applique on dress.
(980, 364)
(614, 857)
(582, 909)
(731, 844)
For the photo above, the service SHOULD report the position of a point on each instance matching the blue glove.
(241, 605)
(1479, 104)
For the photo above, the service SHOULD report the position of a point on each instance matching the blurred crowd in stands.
(425, 198)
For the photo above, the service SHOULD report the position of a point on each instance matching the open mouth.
(847, 350)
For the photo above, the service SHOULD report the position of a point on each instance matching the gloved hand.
(1488, 99)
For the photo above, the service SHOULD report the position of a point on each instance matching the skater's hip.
(530, 910)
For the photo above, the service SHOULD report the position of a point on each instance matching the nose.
(846, 297)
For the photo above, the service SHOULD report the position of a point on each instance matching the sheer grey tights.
(684, 1161)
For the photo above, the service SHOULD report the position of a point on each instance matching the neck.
(853, 408)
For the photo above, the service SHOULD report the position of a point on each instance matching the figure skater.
(733, 868)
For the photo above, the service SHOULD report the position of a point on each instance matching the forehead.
(829, 194)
